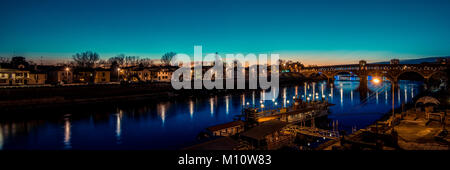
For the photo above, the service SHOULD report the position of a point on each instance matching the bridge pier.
(426, 83)
(330, 80)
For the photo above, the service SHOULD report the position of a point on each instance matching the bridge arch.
(411, 73)
(443, 74)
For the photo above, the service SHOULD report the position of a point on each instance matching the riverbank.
(22, 99)
(411, 128)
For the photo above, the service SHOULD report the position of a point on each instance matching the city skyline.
(305, 31)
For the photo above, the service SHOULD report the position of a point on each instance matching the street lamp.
(118, 74)
(67, 74)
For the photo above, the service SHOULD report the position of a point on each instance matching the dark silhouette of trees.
(86, 59)
(118, 60)
(145, 62)
(131, 60)
(4, 60)
(122, 60)
(167, 57)
(19, 62)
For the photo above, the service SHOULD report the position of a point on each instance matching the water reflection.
(211, 104)
(227, 103)
(119, 126)
(1, 138)
(161, 108)
(67, 134)
(191, 108)
(167, 125)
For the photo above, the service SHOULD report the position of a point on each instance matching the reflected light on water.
(1, 138)
(253, 98)
(227, 103)
(376, 95)
(406, 94)
(351, 96)
(191, 108)
(331, 94)
(314, 89)
(119, 125)
(342, 96)
(321, 89)
(162, 112)
(67, 134)
(305, 92)
(284, 96)
(211, 104)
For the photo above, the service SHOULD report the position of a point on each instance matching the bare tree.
(145, 62)
(166, 58)
(86, 59)
(4, 60)
(103, 63)
(119, 60)
(131, 60)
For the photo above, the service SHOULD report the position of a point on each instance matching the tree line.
(89, 59)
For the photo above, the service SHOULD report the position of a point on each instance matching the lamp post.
(67, 74)
(118, 74)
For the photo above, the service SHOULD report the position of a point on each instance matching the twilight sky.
(314, 32)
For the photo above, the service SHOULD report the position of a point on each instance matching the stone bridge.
(391, 71)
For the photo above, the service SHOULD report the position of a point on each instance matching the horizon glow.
(313, 32)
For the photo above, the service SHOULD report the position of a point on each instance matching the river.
(175, 124)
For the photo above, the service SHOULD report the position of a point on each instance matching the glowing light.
(376, 80)
(67, 133)
(191, 108)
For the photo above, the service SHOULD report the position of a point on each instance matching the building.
(161, 75)
(60, 75)
(267, 135)
(102, 76)
(88, 75)
(14, 77)
(37, 78)
(137, 74)
(227, 129)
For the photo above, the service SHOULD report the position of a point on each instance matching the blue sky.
(314, 32)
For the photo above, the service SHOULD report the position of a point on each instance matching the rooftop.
(264, 129)
(226, 125)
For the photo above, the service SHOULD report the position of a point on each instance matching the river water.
(175, 124)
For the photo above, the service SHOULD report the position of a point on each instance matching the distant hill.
(415, 61)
